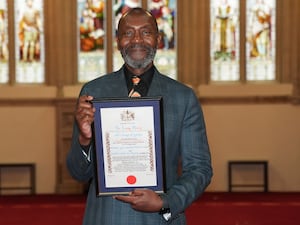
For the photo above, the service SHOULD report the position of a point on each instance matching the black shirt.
(144, 83)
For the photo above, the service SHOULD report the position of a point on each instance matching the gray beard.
(139, 64)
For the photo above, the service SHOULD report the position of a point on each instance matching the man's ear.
(158, 39)
(118, 42)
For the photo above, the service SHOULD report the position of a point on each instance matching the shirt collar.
(146, 77)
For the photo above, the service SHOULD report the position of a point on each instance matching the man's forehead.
(137, 17)
(138, 23)
(137, 11)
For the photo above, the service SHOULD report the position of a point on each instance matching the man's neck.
(138, 71)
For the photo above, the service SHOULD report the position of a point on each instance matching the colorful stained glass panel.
(260, 47)
(91, 36)
(3, 43)
(29, 41)
(165, 14)
(224, 39)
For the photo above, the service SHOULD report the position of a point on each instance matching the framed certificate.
(129, 145)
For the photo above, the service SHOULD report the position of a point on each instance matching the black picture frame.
(129, 145)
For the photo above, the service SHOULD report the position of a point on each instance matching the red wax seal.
(131, 179)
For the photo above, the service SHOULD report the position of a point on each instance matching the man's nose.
(137, 37)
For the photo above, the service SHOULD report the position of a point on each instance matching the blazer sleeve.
(79, 165)
(195, 159)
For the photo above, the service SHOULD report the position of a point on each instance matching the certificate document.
(128, 145)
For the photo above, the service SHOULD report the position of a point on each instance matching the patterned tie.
(134, 92)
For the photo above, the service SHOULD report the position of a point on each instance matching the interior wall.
(259, 130)
(28, 136)
(255, 132)
(235, 132)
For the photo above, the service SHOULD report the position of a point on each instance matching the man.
(185, 137)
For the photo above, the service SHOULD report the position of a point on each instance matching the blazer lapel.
(118, 87)
(156, 87)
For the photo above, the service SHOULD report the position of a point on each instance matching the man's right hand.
(84, 116)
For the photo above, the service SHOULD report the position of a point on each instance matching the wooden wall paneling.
(184, 42)
(65, 184)
(242, 37)
(288, 45)
(180, 25)
(60, 34)
(202, 63)
(284, 39)
(11, 46)
(192, 19)
(296, 53)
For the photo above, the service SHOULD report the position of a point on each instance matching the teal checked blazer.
(185, 138)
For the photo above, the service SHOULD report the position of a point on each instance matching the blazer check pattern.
(184, 136)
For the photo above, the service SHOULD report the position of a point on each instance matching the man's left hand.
(144, 200)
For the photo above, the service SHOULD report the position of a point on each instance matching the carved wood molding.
(27, 102)
(203, 100)
(246, 100)
(36, 101)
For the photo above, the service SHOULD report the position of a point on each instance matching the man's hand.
(144, 200)
(84, 115)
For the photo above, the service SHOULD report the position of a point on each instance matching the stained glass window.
(258, 41)
(260, 51)
(119, 8)
(29, 41)
(165, 13)
(3, 43)
(224, 51)
(91, 23)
